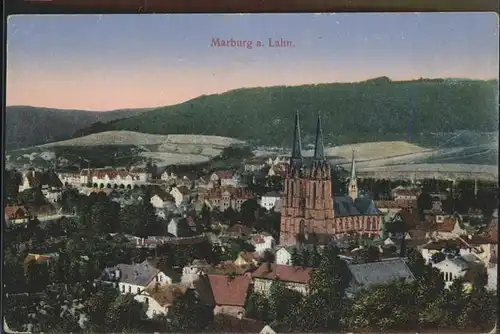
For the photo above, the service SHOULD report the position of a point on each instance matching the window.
(129, 289)
(123, 288)
(302, 227)
(161, 278)
(314, 191)
(138, 290)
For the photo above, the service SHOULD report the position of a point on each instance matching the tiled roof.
(166, 294)
(447, 225)
(138, 274)
(382, 272)
(224, 175)
(14, 211)
(229, 291)
(283, 273)
(238, 228)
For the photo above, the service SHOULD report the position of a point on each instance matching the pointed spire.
(297, 145)
(353, 167)
(319, 148)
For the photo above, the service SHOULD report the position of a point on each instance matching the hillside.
(28, 126)
(370, 111)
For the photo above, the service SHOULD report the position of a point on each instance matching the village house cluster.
(310, 216)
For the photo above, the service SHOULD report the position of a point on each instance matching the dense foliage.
(385, 108)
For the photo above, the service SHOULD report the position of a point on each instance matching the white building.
(165, 176)
(226, 178)
(268, 201)
(135, 278)
(451, 269)
(161, 201)
(294, 278)
(180, 195)
(407, 194)
(160, 299)
(262, 242)
(114, 178)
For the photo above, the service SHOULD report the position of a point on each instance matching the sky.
(107, 62)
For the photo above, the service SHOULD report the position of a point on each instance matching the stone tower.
(353, 181)
(307, 204)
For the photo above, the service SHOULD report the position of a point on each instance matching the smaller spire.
(353, 166)
(319, 148)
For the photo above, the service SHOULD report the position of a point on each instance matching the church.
(310, 211)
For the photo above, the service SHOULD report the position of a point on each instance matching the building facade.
(308, 203)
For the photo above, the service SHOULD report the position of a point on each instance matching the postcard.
(261, 173)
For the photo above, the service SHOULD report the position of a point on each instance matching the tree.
(368, 254)
(306, 257)
(424, 202)
(97, 305)
(124, 313)
(257, 307)
(188, 314)
(416, 263)
(315, 258)
(296, 257)
(248, 211)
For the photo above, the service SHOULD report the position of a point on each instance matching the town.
(280, 244)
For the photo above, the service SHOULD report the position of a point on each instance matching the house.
(262, 242)
(447, 228)
(181, 227)
(238, 230)
(41, 258)
(225, 198)
(406, 194)
(267, 330)
(161, 199)
(268, 200)
(15, 214)
(134, 278)
(294, 278)
(284, 254)
(230, 293)
(254, 165)
(192, 272)
(180, 195)
(159, 299)
(226, 178)
(365, 275)
(166, 176)
(115, 178)
(246, 259)
(452, 268)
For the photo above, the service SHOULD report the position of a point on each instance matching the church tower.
(307, 204)
(353, 181)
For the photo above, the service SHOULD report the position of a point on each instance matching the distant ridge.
(374, 110)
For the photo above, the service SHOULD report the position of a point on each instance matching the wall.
(268, 202)
(264, 285)
(283, 257)
(153, 307)
(230, 310)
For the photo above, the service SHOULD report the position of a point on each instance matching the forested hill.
(373, 110)
(28, 126)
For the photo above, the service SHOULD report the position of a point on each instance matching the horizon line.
(249, 87)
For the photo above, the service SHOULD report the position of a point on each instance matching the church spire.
(319, 148)
(353, 167)
(353, 181)
(296, 145)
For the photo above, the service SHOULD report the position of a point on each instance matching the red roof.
(447, 225)
(229, 291)
(411, 217)
(283, 273)
(224, 175)
(408, 192)
(16, 212)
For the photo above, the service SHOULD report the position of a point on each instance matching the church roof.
(345, 206)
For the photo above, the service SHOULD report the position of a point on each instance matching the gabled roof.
(447, 225)
(15, 211)
(166, 294)
(229, 291)
(138, 274)
(292, 274)
(382, 272)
